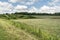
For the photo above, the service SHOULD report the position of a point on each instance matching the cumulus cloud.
(49, 9)
(20, 8)
(53, 6)
(5, 7)
(26, 2)
(14, 1)
(45, 9)
(32, 9)
(54, 2)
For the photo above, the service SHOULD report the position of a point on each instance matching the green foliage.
(15, 16)
(26, 15)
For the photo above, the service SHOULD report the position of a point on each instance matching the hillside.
(30, 29)
(10, 32)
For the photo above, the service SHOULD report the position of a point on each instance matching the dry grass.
(14, 33)
(30, 29)
(49, 27)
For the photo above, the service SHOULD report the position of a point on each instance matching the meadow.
(30, 26)
(30, 29)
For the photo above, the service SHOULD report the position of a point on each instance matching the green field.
(30, 29)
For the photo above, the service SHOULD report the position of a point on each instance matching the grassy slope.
(9, 32)
(49, 29)
(29, 29)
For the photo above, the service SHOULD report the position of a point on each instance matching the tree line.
(26, 15)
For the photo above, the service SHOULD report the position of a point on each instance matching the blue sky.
(40, 6)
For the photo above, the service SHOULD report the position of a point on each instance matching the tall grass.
(37, 32)
(4, 35)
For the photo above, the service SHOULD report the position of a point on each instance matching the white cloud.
(48, 9)
(8, 7)
(54, 2)
(45, 9)
(57, 8)
(26, 2)
(20, 8)
(5, 7)
(31, 2)
(14, 1)
(33, 9)
(53, 6)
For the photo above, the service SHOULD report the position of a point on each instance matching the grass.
(12, 33)
(30, 29)
(44, 29)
